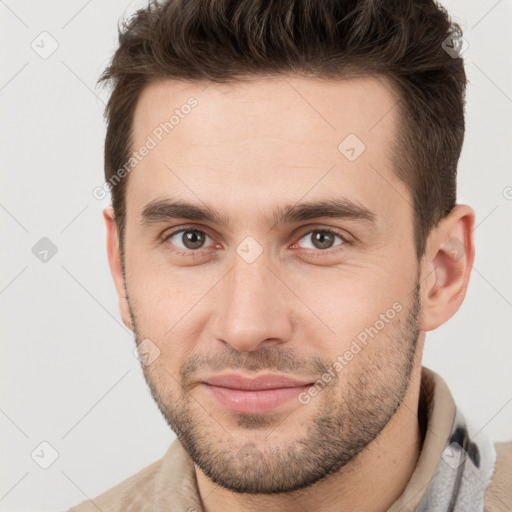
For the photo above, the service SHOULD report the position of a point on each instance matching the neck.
(371, 482)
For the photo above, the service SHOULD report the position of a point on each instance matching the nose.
(255, 308)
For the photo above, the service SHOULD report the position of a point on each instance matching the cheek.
(154, 284)
(167, 306)
(346, 303)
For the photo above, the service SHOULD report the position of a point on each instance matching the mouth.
(254, 395)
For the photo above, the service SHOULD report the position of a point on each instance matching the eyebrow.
(162, 210)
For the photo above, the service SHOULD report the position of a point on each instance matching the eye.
(188, 239)
(322, 239)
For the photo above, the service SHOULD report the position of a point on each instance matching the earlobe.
(114, 260)
(447, 267)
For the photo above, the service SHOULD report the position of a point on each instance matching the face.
(300, 263)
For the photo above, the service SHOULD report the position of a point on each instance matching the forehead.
(252, 143)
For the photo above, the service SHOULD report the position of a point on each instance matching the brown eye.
(322, 239)
(191, 239)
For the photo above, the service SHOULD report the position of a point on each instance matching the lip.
(261, 382)
(256, 395)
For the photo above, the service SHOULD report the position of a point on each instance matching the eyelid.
(329, 229)
(171, 232)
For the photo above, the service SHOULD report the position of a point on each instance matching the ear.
(446, 266)
(114, 260)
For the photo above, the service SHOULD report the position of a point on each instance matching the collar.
(456, 462)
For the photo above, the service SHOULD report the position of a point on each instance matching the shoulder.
(135, 490)
(498, 496)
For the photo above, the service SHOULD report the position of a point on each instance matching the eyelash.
(318, 252)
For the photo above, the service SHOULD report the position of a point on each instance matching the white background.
(68, 375)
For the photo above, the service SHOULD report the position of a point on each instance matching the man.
(283, 233)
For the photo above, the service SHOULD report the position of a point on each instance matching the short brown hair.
(227, 40)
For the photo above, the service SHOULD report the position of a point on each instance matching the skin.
(245, 149)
